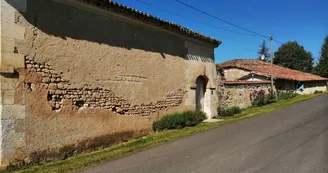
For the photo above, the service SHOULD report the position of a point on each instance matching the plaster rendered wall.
(73, 80)
(233, 74)
(311, 87)
(257, 78)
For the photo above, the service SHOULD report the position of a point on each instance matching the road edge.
(85, 160)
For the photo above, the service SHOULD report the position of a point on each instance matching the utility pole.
(271, 57)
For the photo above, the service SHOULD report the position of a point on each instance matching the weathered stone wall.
(87, 96)
(239, 95)
(73, 80)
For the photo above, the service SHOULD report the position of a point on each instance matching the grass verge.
(90, 159)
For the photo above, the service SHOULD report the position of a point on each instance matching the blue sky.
(304, 21)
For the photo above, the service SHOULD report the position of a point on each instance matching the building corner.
(12, 94)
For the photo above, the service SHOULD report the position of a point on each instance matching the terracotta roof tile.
(245, 82)
(147, 18)
(264, 68)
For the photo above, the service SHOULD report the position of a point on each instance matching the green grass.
(90, 159)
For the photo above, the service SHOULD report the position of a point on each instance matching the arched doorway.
(200, 92)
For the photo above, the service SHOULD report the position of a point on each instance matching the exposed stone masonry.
(239, 95)
(92, 97)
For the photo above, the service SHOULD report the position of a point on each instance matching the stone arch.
(201, 83)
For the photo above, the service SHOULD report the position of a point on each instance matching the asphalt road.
(291, 140)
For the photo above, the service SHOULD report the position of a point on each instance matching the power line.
(222, 20)
(256, 34)
(225, 21)
(278, 41)
(193, 19)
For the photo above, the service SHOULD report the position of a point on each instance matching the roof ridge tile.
(147, 18)
(278, 71)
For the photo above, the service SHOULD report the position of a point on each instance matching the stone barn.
(285, 79)
(81, 74)
(240, 77)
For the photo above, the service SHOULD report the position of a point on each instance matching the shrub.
(317, 92)
(229, 111)
(179, 120)
(268, 99)
(264, 100)
(257, 97)
(286, 95)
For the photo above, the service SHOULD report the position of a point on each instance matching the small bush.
(264, 100)
(229, 111)
(179, 120)
(259, 98)
(286, 95)
(317, 92)
(268, 99)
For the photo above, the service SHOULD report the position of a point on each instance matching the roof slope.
(279, 72)
(147, 18)
(245, 82)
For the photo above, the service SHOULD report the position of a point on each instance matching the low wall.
(239, 95)
(311, 90)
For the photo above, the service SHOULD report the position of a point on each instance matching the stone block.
(7, 15)
(12, 112)
(7, 45)
(6, 69)
(9, 83)
(7, 97)
(13, 31)
(7, 156)
(13, 140)
(191, 97)
(8, 126)
(12, 60)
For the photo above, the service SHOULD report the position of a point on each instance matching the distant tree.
(264, 51)
(294, 56)
(322, 67)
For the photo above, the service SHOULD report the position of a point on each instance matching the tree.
(322, 67)
(264, 51)
(294, 56)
